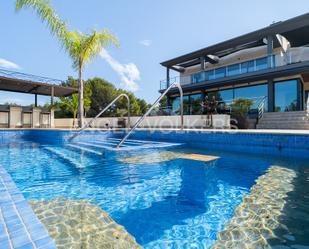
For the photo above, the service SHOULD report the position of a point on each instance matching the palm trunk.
(81, 99)
(74, 119)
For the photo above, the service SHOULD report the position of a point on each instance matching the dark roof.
(296, 30)
(27, 83)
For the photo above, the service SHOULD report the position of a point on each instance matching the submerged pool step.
(70, 156)
(135, 141)
(93, 145)
(112, 146)
(85, 149)
(116, 142)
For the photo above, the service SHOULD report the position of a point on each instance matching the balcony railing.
(221, 72)
(29, 77)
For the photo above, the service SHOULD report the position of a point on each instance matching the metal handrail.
(104, 110)
(141, 119)
(261, 107)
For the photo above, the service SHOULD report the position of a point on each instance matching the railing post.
(270, 46)
(167, 77)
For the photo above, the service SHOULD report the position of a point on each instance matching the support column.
(203, 95)
(35, 100)
(167, 77)
(168, 101)
(52, 93)
(202, 63)
(270, 47)
(271, 96)
(52, 113)
(300, 98)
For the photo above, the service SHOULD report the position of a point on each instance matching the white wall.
(190, 121)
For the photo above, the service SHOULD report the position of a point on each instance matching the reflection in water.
(293, 230)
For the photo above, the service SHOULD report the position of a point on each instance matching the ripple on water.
(78, 224)
(258, 216)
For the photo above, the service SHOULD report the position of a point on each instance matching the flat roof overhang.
(267, 74)
(15, 84)
(296, 30)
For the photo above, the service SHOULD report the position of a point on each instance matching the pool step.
(85, 149)
(111, 144)
(74, 158)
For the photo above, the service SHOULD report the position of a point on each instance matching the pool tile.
(26, 246)
(5, 243)
(19, 226)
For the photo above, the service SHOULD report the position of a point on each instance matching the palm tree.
(70, 104)
(82, 48)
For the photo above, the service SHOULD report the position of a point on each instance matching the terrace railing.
(249, 66)
(29, 77)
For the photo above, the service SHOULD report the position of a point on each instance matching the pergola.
(26, 83)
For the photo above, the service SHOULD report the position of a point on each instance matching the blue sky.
(149, 33)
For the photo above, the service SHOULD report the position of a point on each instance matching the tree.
(102, 93)
(71, 82)
(70, 104)
(82, 48)
(241, 106)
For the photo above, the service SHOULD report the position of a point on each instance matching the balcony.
(295, 55)
(221, 72)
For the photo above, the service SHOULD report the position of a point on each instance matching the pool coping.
(20, 228)
(231, 131)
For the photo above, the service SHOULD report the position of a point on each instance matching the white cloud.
(128, 73)
(8, 64)
(145, 43)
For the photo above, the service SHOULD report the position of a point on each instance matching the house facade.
(269, 66)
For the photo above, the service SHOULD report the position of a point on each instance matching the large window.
(261, 64)
(191, 104)
(256, 93)
(198, 77)
(286, 96)
(225, 96)
(220, 72)
(235, 69)
(195, 104)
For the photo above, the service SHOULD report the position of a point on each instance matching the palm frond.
(91, 44)
(46, 13)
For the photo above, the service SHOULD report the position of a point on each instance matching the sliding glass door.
(287, 96)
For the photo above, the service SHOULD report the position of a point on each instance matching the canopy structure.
(26, 83)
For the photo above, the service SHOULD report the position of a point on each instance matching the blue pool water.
(178, 203)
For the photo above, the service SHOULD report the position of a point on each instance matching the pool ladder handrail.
(261, 107)
(104, 110)
(141, 119)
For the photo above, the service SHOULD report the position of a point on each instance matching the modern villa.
(269, 66)
(196, 174)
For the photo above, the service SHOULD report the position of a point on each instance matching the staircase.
(284, 120)
(81, 154)
(111, 144)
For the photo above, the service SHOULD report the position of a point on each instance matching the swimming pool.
(162, 196)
